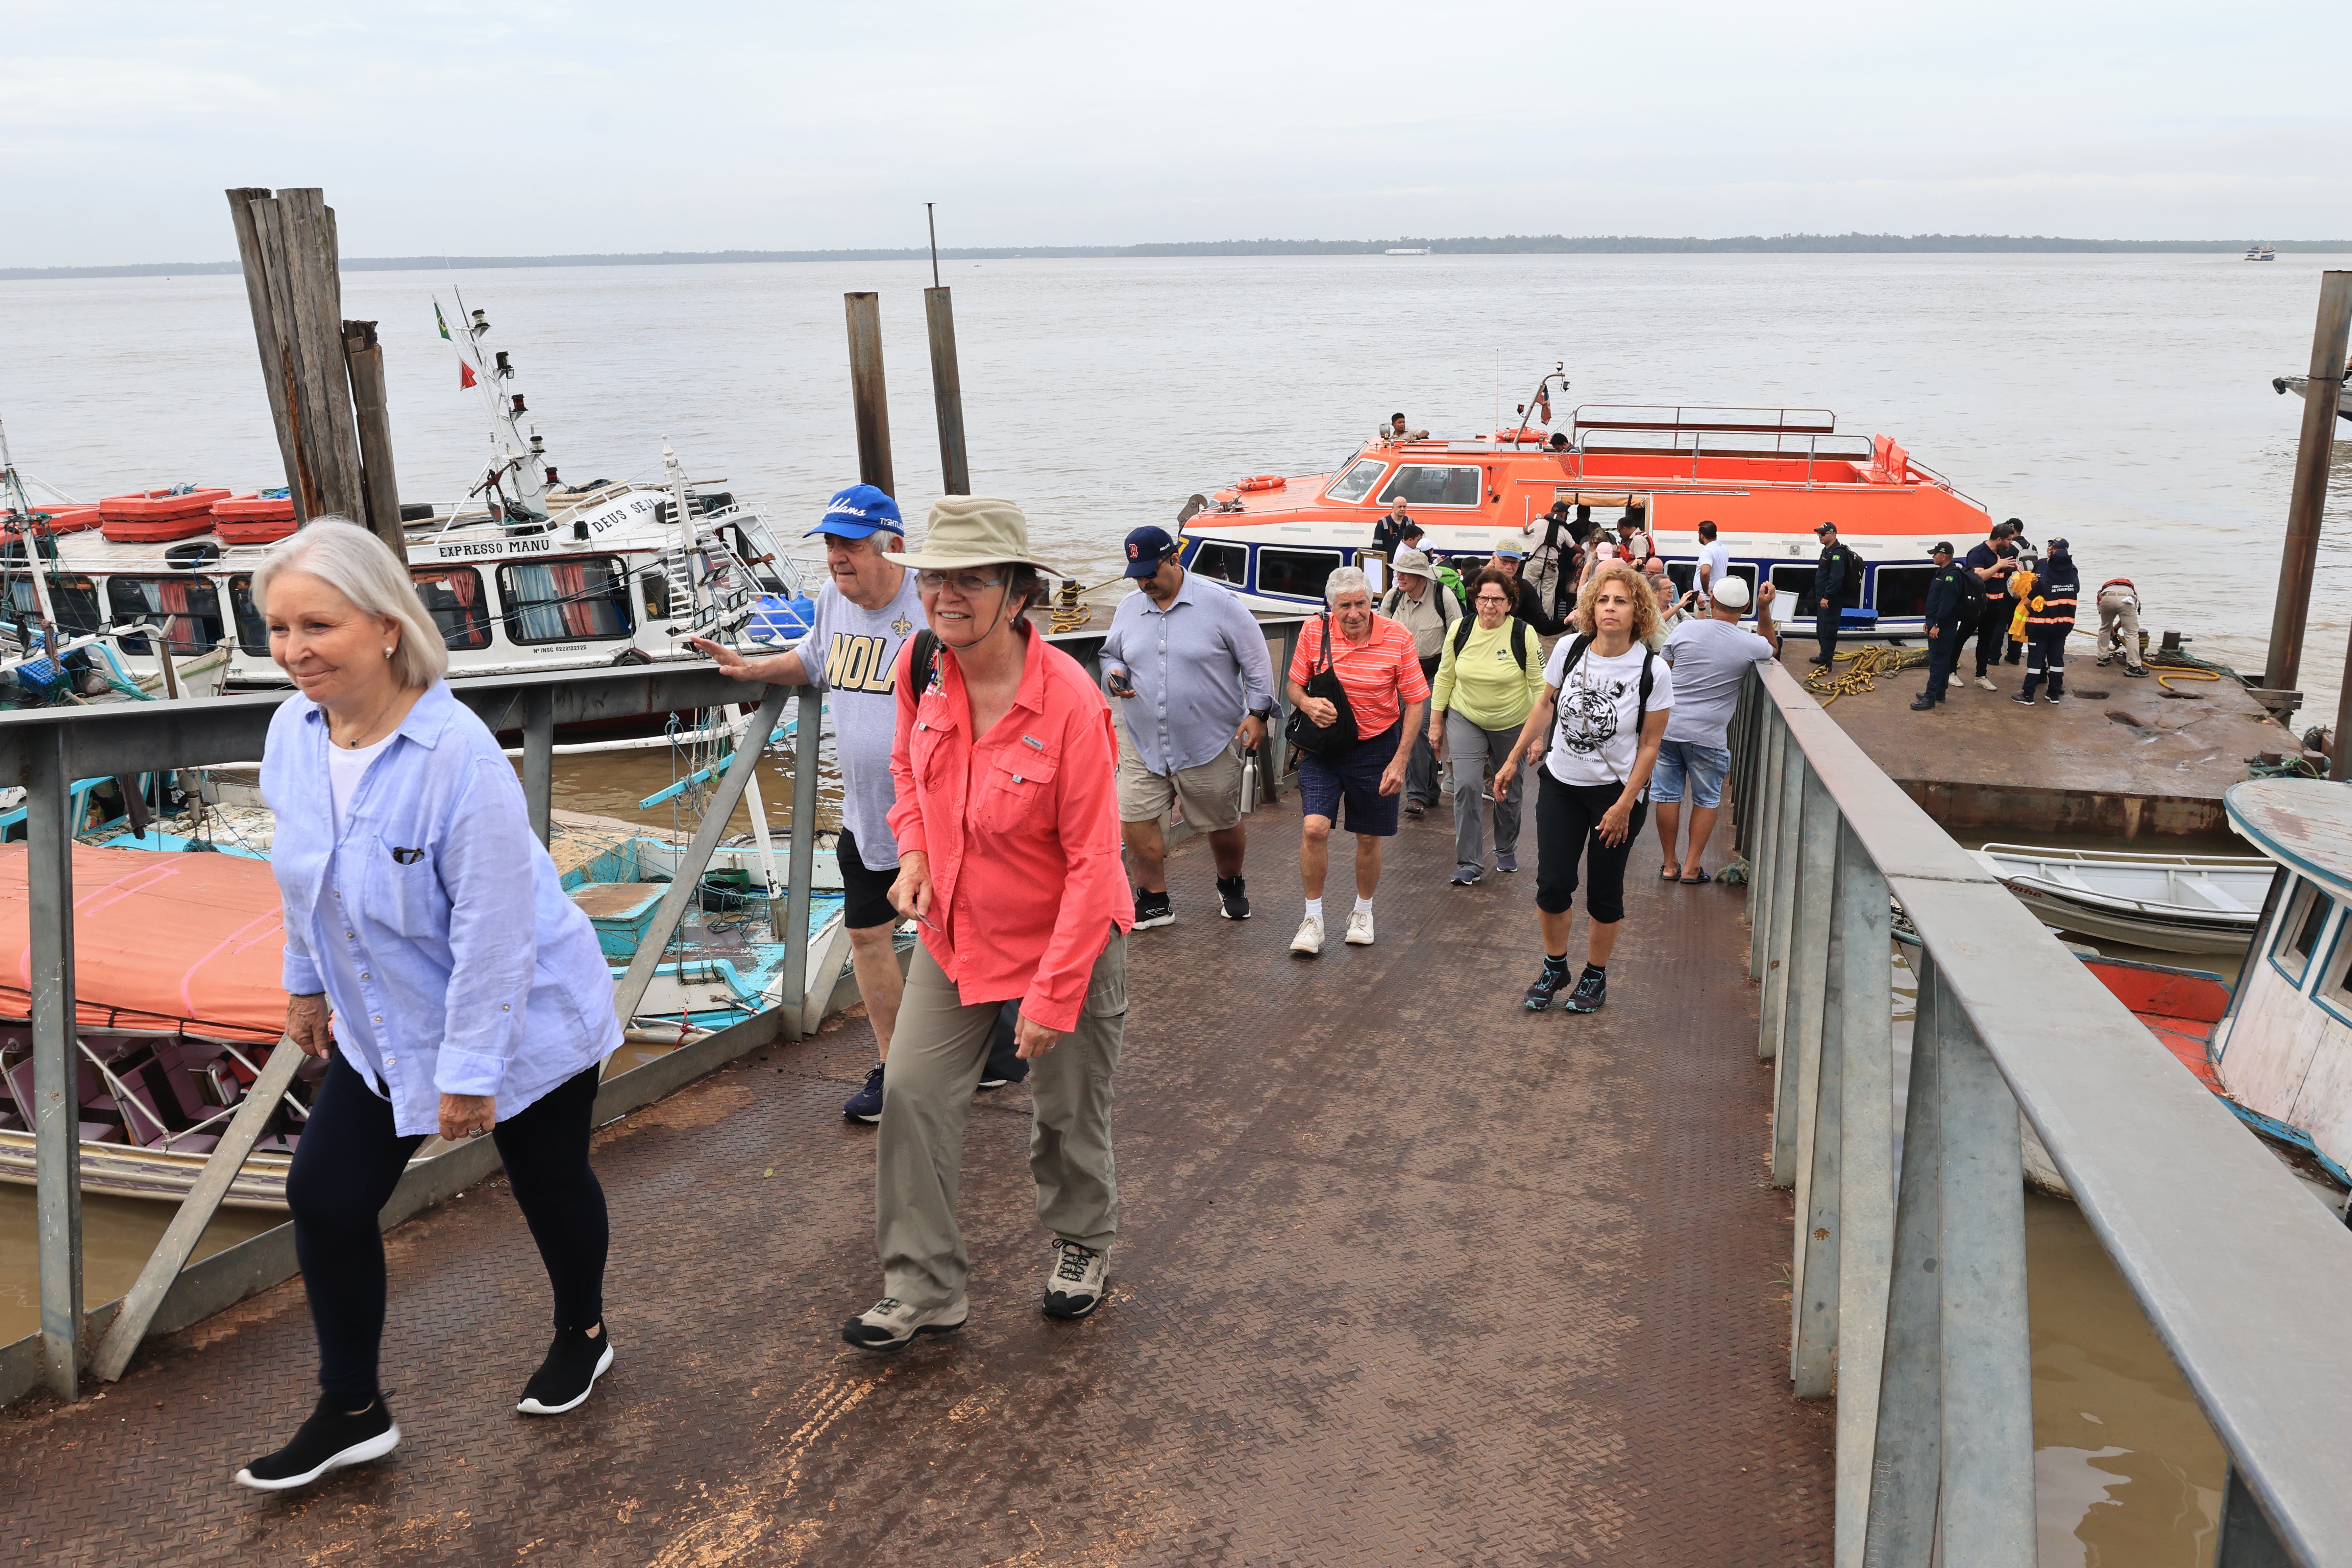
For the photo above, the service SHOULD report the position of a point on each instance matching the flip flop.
(1693, 881)
(1669, 874)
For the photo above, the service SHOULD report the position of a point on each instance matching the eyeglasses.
(1494, 601)
(965, 582)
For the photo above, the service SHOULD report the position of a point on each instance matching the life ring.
(1263, 482)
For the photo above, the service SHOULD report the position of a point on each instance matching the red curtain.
(572, 585)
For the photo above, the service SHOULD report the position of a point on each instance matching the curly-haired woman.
(1604, 707)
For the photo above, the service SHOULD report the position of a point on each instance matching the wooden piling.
(2285, 664)
(291, 274)
(865, 394)
(946, 390)
(363, 357)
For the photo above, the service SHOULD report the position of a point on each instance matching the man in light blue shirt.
(1196, 688)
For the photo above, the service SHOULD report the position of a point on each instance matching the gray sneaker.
(891, 1324)
(1076, 1283)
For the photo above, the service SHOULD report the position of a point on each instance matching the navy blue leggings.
(344, 1169)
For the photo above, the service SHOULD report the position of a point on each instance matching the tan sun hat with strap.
(974, 531)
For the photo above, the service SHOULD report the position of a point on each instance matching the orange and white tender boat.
(1765, 477)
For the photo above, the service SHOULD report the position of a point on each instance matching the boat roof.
(2303, 824)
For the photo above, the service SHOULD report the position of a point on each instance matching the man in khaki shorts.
(1195, 686)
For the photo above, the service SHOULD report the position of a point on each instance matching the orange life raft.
(152, 515)
(254, 518)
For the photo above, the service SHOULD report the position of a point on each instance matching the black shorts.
(866, 894)
(1567, 829)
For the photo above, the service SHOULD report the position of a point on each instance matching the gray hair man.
(1195, 686)
(1710, 656)
(1418, 602)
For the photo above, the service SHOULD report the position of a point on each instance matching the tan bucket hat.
(1413, 563)
(974, 531)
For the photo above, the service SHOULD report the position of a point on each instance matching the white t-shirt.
(1711, 659)
(852, 654)
(1714, 564)
(1597, 731)
(346, 766)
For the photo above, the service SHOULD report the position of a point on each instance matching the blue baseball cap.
(859, 512)
(1147, 547)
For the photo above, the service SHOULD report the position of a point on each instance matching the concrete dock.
(1406, 1276)
(2118, 757)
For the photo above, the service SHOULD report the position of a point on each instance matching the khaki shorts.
(1211, 793)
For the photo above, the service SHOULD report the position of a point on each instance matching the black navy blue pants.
(343, 1173)
(1825, 631)
(2045, 654)
(1943, 653)
(1568, 830)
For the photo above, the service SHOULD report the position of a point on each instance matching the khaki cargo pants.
(936, 1055)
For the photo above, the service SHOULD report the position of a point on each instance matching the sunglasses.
(966, 582)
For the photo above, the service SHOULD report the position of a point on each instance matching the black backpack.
(1462, 629)
(1972, 591)
(1339, 736)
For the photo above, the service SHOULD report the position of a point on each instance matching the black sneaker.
(1232, 898)
(1154, 910)
(327, 1441)
(1922, 704)
(1003, 1069)
(1546, 986)
(2024, 696)
(564, 1380)
(866, 1105)
(1592, 990)
(2052, 697)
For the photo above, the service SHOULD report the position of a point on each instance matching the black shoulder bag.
(1323, 739)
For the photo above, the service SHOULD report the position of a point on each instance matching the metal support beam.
(1788, 796)
(1806, 981)
(811, 715)
(1763, 852)
(1821, 1133)
(866, 396)
(1987, 1513)
(539, 761)
(1865, 1229)
(57, 1102)
(2301, 549)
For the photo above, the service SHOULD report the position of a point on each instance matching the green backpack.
(1452, 580)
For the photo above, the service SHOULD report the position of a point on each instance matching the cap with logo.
(1826, 527)
(859, 512)
(1941, 547)
(1147, 547)
(1510, 546)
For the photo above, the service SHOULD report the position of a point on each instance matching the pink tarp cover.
(162, 941)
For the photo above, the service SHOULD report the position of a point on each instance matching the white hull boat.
(2176, 903)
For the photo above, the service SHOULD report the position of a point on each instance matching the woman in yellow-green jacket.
(1489, 674)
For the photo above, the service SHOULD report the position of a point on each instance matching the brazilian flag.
(439, 322)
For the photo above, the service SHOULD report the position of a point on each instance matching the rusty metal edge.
(259, 1262)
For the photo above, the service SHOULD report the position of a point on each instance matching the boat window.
(75, 600)
(1357, 482)
(1226, 563)
(1300, 572)
(1433, 484)
(759, 553)
(453, 597)
(1901, 592)
(1796, 596)
(188, 607)
(2299, 933)
(584, 598)
(252, 631)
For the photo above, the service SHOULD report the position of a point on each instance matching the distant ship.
(1402, 251)
(2260, 253)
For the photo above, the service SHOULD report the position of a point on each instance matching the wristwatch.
(1261, 714)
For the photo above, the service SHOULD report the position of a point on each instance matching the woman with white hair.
(434, 960)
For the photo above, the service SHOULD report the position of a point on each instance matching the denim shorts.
(1353, 779)
(1703, 765)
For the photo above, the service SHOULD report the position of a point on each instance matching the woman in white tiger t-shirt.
(1604, 707)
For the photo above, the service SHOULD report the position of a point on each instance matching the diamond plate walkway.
(1407, 1276)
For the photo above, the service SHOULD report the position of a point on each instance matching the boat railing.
(1908, 1296)
(1680, 416)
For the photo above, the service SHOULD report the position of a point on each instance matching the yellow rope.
(1868, 665)
(2167, 673)
(1070, 613)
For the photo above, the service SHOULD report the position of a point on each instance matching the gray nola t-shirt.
(1710, 659)
(852, 654)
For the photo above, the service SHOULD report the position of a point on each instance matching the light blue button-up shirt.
(1196, 666)
(476, 973)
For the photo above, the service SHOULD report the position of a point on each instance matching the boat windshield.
(1435, 484)
(1357, 482)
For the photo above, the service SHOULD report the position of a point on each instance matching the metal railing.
(1909, 1295)
(48, 748)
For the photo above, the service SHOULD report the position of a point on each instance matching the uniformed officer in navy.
(1839, 566)
(1949, 600)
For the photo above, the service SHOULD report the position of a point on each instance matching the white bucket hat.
(974, 531)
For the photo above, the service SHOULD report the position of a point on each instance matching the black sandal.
(1695, 881)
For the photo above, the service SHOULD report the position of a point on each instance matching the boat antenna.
(933, 218)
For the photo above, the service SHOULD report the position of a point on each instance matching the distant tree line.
(1476, 245)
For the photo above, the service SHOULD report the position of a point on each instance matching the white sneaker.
(1310, 940)
(1074, 1286)
(1986, 681)
(1360, 928)
(891, 1324)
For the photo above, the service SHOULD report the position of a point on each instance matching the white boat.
(2177, 903)
(2261, 253)
(525, 573)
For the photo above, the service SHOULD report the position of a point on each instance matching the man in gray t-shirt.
(1711, 657)
(865, 613)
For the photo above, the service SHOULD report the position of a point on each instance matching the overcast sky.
(524, 128)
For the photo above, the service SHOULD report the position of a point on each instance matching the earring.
(387, 653)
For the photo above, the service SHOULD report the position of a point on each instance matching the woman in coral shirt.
(1007, 825)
